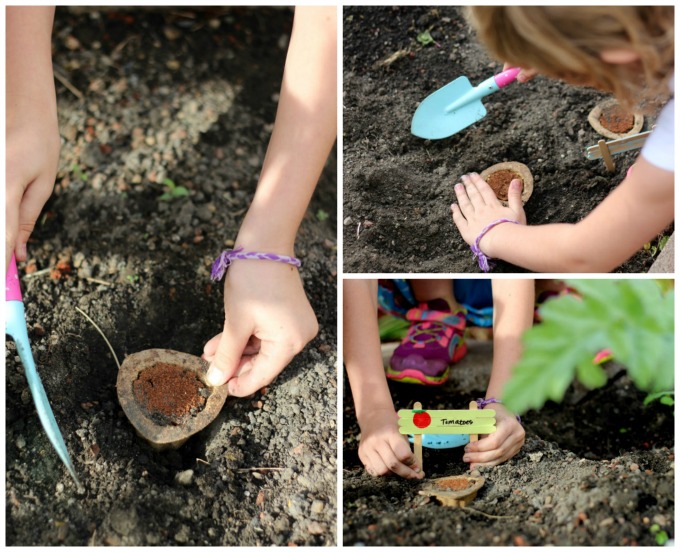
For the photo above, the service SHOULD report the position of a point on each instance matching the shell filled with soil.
(455, 491)
(165, 396)
(609, 119)
(500, 175)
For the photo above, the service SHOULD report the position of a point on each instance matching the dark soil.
(189, 95)
(597, 469)
(403, 185)
(616, 119)
(169, 394)
(500, 182)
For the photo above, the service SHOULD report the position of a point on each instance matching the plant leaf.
(180, 191)
(425, 38)
(633, 318)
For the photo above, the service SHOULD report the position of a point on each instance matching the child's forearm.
(362, 354)
(630, 216)
(513, 305)
(303, 135)
(29, 76)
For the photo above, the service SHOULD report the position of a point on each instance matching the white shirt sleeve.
(659, 146)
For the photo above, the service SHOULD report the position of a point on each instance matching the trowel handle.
(507, 76)
(12, 289)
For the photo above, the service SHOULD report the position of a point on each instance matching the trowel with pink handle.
(456, 106)
(15, 327)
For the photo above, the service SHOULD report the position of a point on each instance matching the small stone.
(184, 477)
(634, 467)
(535, 456)
(60, 487)
(347, 221)
(173, 65)
(182, 536)
(124, 521)
(316, 528)
(606, 522)
(318, 506)
(20, 442)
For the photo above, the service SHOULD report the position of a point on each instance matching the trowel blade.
(16, 328)
(431, 120)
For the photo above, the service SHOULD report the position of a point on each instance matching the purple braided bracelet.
(225, 259)
(481, 403)
(481, 258)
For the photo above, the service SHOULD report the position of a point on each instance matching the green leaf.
(321, 215)
(661, 538)
(165, 197)
(425, 38)
(663, 240)
(667, 400)
(180, 191)
(392, 328)
(169, 183)
(633, 318)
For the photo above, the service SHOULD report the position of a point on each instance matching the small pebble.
(60, 487)
(184, 477)
(634, 467)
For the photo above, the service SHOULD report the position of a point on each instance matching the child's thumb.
(227, 357)
(515, 196)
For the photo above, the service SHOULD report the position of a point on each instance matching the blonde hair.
(565, 42)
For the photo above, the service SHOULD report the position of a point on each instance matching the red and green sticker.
(421, 419)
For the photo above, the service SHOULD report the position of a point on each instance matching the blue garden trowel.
(16, 328)
(456, 106)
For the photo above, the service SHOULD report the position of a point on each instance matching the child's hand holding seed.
(268, 320)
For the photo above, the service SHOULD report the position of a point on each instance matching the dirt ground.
(398, 187)
(144, 95)
(598, 469)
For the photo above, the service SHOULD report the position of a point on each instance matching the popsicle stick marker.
(418, 438)
(418, 422)
(606, 155)
(473, 436)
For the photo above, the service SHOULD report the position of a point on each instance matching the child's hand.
(496, 447)
(32, 156)
(478, 206)
(524, 75)
(268, 320)
(383, 450)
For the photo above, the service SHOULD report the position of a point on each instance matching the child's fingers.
(472, 191)
(398, 458)
(32, 202)
(486, 458)
(271, 359)
(463, 199)
(458, 218)
(488, 195)
(515, 196)
(228, 354)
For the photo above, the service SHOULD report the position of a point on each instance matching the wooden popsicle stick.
(473, 436)
(418, 443)
(606, 156)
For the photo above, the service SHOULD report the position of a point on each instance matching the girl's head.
(625, 50)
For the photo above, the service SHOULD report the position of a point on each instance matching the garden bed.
(191, 96)
(398, 188)
(597, 469)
